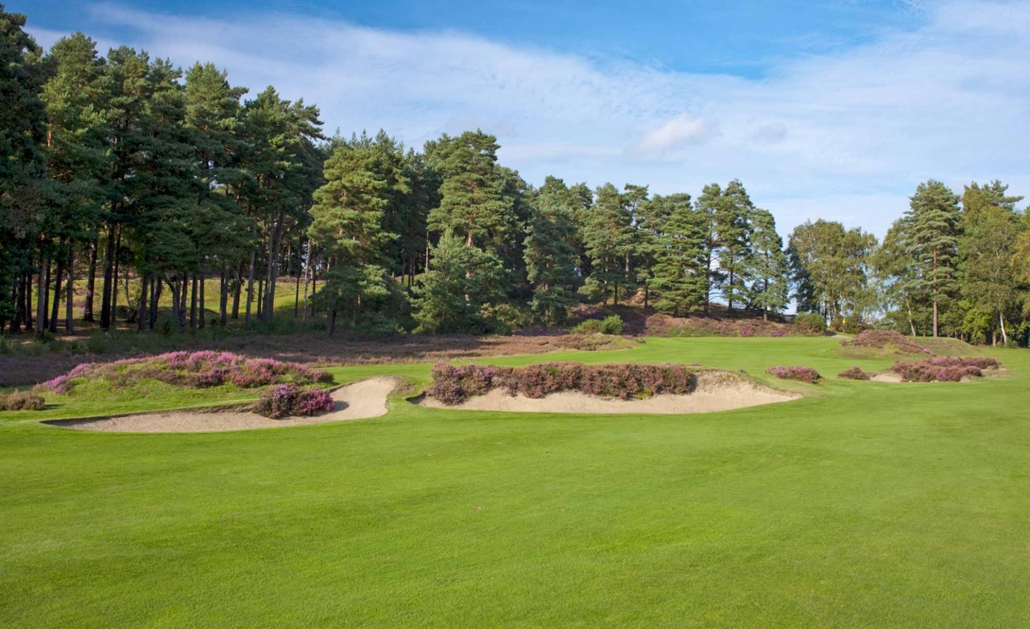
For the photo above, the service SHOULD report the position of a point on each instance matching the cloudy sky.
(823, 108)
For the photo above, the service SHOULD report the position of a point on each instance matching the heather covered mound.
(943, 369)
(21, 401)
(286, 400)
(855, 373)
(799, 373)
(888, 340)
(191, 370)
(668, 326)
(610, 389)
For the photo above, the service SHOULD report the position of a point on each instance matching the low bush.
(453, 385)
(799, 373)
(611, 324)
(21, 401)
(943, 368)
(193, 370)
(887, 339)
(810, 323)
(854, 373)
(288, 400)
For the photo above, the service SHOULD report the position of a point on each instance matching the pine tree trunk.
(193, 304)
(250, 288)
(28, 302)
(141, 304)
(1004, 334)
(69, 322)
(331, 322)
(223, 300)
(300, 267)
(19, 302)
(155, 296)
(273, 268)
(42, 289)
(114, 285)
(55, 309)
(237, 291)
(202, 303)
(91, 283)
(105, 293)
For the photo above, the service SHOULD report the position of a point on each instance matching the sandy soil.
(709, 397)
(359, 400)
(887, 376)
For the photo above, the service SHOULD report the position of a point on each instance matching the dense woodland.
(126, 180)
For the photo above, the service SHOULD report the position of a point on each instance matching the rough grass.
(865, 505)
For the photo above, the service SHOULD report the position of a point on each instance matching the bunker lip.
(715, 391)
(359, 400)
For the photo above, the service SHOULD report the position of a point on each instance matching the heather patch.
(664, 325)
(453, 385)
(289, 400)
(191, 370)
(943, 369)
(798, 372)
(21, 401)
(855, 373)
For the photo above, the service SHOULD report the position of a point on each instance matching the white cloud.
(844, 135)
(675, 133)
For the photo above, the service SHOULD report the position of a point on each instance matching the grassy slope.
(864, 505)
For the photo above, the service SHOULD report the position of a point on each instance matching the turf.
(864, 504)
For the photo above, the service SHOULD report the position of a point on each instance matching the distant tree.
(708, 206)
(767, 265)
(679, 254)
(732, 224)
(550, 254)
(933, 219)
(611, 240)
(830, 268)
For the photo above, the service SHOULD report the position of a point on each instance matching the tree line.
(125, 166)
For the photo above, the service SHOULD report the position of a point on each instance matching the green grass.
(864, 504)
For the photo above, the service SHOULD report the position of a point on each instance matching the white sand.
(359, 400)
(886, 376)
(712, 394)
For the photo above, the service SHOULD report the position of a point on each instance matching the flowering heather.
(854, 373)
(943, 368)
(453, 385)
(664, 325)
(193, 370)
(799, 373)
(285, 400)
(883, 339)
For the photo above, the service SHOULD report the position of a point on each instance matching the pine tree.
(933, 245)
(550, 255)
(23, 184)
(348, 221)
(732, 224)
(767, 265)
(610, 240)
(450, 296)
(472, 204)
(679, 254)
(708, 207)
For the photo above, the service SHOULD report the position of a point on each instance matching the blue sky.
(833, 109)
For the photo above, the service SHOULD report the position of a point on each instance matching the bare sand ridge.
(359, 400)
(715, 392)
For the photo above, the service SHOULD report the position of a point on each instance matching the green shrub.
(810, 323)
(609, 325)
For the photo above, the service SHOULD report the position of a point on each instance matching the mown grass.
(863, 504)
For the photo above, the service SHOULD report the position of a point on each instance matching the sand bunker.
(359, 400)
(887, 376)
(714, 393)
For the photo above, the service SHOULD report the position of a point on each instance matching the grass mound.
(943, 368)
(453, 385)
(887, 340)
(190, 370)
(947, 347)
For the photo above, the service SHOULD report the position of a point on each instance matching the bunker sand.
(359, 400)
